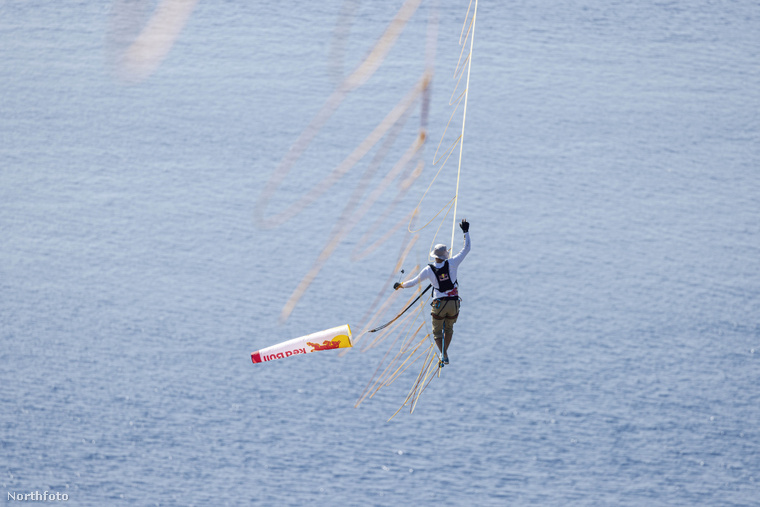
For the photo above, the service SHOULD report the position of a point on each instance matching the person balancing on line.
(443, 277)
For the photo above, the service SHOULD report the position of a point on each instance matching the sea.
(607, 351)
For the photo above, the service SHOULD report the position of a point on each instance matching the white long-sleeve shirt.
(427, 273)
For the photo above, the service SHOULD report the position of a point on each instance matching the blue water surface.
(608, 345)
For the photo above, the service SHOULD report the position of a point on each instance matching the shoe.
(445, 359)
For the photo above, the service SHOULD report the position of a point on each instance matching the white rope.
(464, 116)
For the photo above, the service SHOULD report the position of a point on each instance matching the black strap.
(402, 313)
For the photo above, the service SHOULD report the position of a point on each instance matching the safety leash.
(402, 313)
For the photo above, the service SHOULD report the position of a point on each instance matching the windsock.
(334, 338)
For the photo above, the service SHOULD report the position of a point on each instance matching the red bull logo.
(335, 338)
(337, 342)
(257, 357)
(326, 345)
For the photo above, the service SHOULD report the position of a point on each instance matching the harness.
(440, 304)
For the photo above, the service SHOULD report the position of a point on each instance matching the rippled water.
(607, 350)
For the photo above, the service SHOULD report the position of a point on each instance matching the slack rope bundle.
(411, 344)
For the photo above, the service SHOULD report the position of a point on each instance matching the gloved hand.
(397, 286)
(465, 225)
